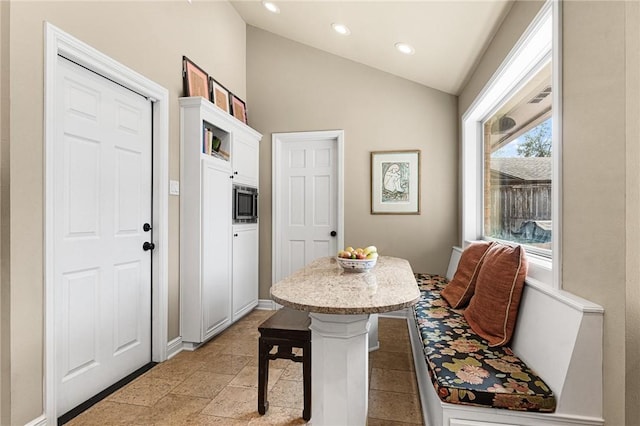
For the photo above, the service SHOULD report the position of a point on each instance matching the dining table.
(341, 303)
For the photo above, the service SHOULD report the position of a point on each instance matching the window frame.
(531, 250)
(540, 43)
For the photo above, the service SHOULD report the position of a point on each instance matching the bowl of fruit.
(357, 260)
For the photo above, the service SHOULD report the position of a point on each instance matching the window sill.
(540, 278)
(540, 268)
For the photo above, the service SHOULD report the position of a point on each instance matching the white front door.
(102, 199)
(308, 206)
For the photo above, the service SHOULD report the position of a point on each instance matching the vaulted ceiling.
(448, 36)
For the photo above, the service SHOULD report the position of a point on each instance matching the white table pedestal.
(339, 369)
(374, 343)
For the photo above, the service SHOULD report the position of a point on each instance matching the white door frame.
(57, 43)
(277, 140)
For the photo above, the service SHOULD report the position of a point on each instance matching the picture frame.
(219, 95)
(238, 108)
(195, 79)
(395, 182)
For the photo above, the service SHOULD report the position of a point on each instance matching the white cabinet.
(245, 269)
(216, 253)
(211, 296)
(245, 159)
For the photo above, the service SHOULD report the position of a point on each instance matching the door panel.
(296, 255)
(128, 167)
(245, 269)
(80, 321)
(81, 186)
(216, 249)
(128, 323)
(245, 159)
(322, 200)
(102, 197)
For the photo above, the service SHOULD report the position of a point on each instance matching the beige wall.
(597, 143)
(149, 37)
(632, 338)
(594, 176)
(5, 374)
(515, 23)
(292, 87)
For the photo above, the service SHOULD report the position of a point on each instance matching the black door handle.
(334, 233)
(148, 246)
(146, 227)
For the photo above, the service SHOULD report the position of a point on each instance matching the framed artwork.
(219, 95)
(238, 108)
(195, 80)
(395, 182)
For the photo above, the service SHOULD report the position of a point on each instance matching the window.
(509, 191)
(517, 153)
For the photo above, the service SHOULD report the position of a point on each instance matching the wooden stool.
(286, 329)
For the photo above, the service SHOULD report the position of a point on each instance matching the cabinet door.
(216, 249)
(245, 270)
(245, 160)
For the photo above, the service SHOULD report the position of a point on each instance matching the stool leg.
(306, 378)
(263, 375)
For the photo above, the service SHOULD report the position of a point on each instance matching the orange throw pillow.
(460, 289)
(493, 309)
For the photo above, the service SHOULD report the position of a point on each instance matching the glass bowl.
(356, 265)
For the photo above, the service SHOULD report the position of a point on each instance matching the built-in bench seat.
(550, 375)
(462, 366)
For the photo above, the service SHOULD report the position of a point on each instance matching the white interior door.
(102, 198)
(308, 206)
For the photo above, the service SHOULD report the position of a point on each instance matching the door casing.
(57, 42)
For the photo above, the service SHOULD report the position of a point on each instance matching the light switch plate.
(174, 187)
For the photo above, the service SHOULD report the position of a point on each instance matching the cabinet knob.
(235, 173)
(334, 233)
(231, 177)
(235, 235)
(148, 246)
(146, 227)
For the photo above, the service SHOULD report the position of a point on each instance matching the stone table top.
(324, 287)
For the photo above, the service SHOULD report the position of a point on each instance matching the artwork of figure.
(395, 182)
(392, 179)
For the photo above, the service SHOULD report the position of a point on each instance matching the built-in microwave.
(245, 204)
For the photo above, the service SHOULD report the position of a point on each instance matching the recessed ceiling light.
(271, 7)
(341, 29)
(405, 48)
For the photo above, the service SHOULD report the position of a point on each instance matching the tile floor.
(217, 385)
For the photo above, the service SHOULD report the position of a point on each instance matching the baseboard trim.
(190, 346)
(38, 421)
(174, 347)
(266, 305)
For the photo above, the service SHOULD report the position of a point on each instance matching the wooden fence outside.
(512, 205)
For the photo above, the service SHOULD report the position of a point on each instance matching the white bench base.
(559, 336)
(438, 413)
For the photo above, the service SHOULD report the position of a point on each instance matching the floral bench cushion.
(463, 368)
